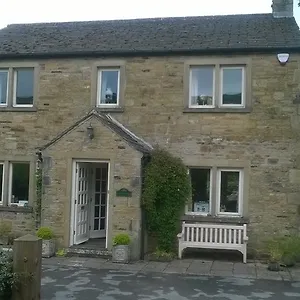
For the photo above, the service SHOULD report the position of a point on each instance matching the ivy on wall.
(39, 191)
(167, 188)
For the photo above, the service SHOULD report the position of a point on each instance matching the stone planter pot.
(121, 254)
(48, 248)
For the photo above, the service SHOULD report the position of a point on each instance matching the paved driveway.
(69, 282)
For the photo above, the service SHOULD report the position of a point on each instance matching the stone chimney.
(283, 8)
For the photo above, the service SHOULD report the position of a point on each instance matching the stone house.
(91, 100)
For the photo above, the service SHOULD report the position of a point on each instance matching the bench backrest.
(214, 234)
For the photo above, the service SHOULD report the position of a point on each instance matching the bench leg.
(245, 255)
(179, 252)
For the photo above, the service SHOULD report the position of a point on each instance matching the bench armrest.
(179, 235)
(246, 239)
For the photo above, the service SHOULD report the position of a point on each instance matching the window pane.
(20, 182)
(109, 87)
(229, 201)
(24, 86)
(1, 181)
(201, 87)
(3, 87)
(200, 179)
(232, 86)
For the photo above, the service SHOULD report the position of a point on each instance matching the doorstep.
(195, 267)
(83, 252)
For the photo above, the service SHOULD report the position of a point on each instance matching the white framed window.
(23, 87)
(202, 86)
(201, 180)
(19, 183)
(217, 86)
(3, 87)
(108, 90)
(232, 86)
(229, 192)
(1, 182)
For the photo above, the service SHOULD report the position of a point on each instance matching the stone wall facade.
(266, 138)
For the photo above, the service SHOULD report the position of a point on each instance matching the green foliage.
(61, 252)
(5, 228)
(39, 189)
(286, 249)
(167, 188)
(7, 277)
(45, 233)
(161, 254)
(121, 239)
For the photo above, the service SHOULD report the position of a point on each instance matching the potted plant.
(5, 232)
(46, 234)
(275, 253)
(120, 250)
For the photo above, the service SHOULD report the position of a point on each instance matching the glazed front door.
(99, 201)
(82, 203)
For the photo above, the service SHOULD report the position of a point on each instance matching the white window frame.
(243, 85)
(3, 174)
(99, 87)
(196, 213)
(10, 181)
(7, 87)
(214, 87)
(15, 78)
(240, 199)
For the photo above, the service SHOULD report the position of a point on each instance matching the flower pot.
(121, 254)
(48, 248)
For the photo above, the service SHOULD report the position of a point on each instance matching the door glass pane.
(97, 199)
(102, 223)
(200, 179)
(103, 198)
(103, 186)
(201, 86)
(97, 187)
(232, 86)
(3, 87)
(96, 211)
(109, 86)
(1, 181)
(229, 201)
(103, 208)
(20, 183)
(98, 173)
(24, 86)
(96, 224)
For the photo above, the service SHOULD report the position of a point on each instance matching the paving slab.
(154, 266)
(222, 266)
(134, 267)
(94, 263)
(176, 270)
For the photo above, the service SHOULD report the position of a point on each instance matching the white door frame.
(73, 195)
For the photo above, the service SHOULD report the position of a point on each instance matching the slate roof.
(110, 122)
(256, 32)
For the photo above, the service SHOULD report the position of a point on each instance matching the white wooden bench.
(213, 236)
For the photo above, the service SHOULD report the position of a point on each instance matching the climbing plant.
(167, 188)
(39, 191)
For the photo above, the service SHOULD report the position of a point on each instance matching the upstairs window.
(108, 87)
(232, 83)
(23, 87)
(17, 87)
(218, 85)
(3, 87)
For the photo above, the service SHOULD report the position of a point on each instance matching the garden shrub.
(121, 239)
(7, 277)
(167, 188)
(45, 233)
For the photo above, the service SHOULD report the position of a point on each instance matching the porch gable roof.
(110, 122)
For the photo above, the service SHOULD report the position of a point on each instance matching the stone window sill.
(212, 219)
(217, 110)
(17, 209)
(17, 109)
(110, 109)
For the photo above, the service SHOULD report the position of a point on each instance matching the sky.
(32, 11)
